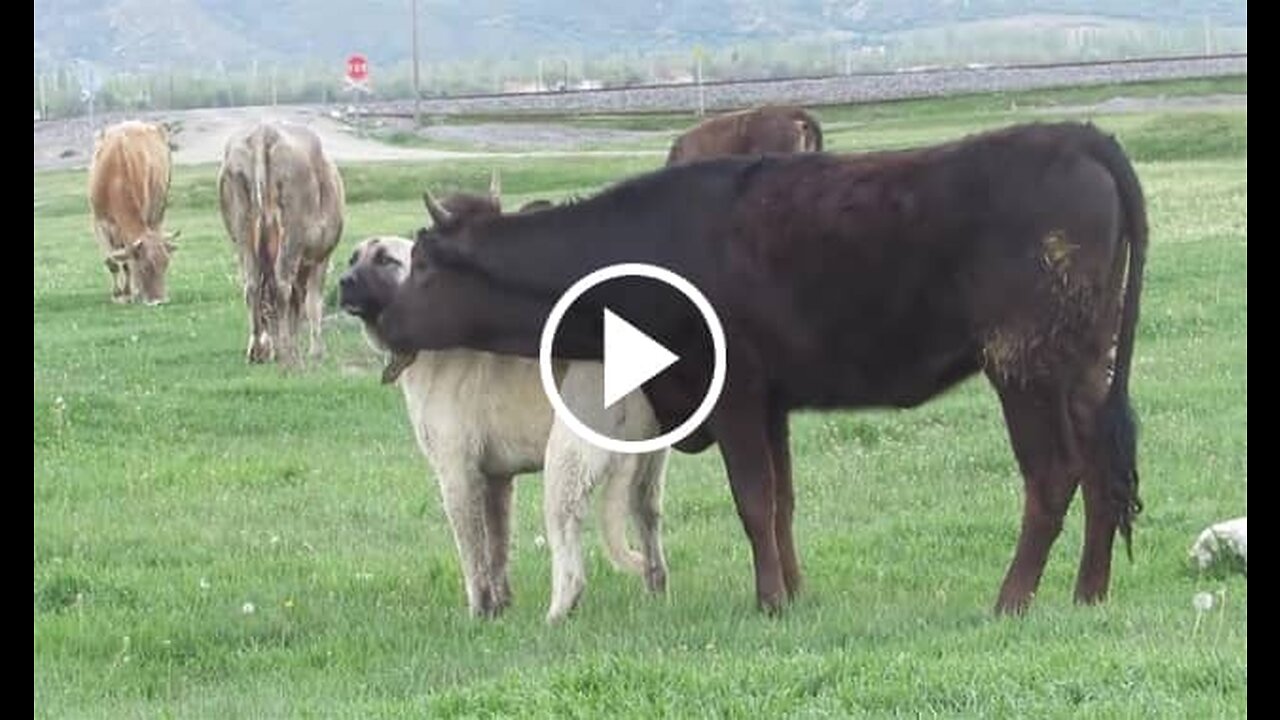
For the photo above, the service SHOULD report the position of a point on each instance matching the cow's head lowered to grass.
(146, 261)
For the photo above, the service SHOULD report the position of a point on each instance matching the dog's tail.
(614, 510)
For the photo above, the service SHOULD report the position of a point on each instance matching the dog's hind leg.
(567, 478)
(646, 509)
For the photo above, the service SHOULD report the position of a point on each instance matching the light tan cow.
(282, 202)
(128, 191)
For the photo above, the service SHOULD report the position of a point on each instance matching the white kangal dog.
(482, 418)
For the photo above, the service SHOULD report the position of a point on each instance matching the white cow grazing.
(1219, 540)
(482, 418)
(282, 202)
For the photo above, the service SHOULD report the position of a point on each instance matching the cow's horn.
(439, 215)
(495, 185)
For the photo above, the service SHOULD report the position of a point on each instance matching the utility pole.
(702, 103)
(44, 106)
(417, 93)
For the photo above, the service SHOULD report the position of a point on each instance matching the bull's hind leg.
(291, 284)
(315, 310)
(1101, 510)
(741, 426)
(779, 445)
(1039, 425)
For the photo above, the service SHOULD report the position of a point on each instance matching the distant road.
(827, 90)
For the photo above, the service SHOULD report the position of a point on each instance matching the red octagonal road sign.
(357, 68)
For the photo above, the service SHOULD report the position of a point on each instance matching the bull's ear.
(135, 248)
(169, 239)
(495, 187)
(119, 254)
(439, 215)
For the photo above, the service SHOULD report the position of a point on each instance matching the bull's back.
(276, 181)
(891, 268)
(129, 177)
(311, 190)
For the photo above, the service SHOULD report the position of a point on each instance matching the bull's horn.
(397, 365)
(439, 215)
(119, 254)
(495, 185)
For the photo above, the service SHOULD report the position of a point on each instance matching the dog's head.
(375, 271)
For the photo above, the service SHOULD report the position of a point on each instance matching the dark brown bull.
(768, 129)
(877, 280)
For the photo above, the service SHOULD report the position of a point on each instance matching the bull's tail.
(1118, 422)
(264, 241)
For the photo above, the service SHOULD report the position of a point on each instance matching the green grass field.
(216, 540)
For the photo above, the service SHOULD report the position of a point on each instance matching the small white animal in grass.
(1227, 537)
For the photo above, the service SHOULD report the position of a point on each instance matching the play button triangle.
(630, 358)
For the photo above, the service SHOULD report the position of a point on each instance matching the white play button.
(630, 358)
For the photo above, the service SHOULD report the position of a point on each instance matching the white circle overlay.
(613, 272)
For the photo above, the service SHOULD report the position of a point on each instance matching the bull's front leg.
(741, 426)
(120, 290)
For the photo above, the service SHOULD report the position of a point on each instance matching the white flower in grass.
(539, 541)
(248, 608)
(1203, 601)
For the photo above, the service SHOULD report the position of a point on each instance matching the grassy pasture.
(218, 540)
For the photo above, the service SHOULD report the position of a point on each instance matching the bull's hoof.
(1012, 606)
(488, 606)
(771, 605)
(1090, 597)
(501, 596)
(655, 579)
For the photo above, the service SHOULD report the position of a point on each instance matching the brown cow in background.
(282, 201)
(767, 129)
(128, 191)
